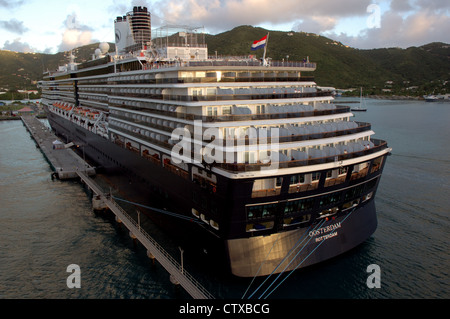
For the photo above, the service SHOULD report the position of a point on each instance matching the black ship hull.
(147, 183)
(299, 248)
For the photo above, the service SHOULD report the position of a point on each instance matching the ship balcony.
(355, 127)
(240, 63)
(269, 95)
(152, 124)
(254, 63)
(377, 146)
(285, 137)
(340, 109)
(147, 79)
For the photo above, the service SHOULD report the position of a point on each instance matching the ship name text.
(325, 230)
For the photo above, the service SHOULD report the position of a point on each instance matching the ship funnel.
(133, 31)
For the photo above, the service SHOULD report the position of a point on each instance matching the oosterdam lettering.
(324, 230)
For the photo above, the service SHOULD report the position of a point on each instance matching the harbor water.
(47, 225)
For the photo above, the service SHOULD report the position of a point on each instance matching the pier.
(178, 274)
(68, 165)
(63, 160)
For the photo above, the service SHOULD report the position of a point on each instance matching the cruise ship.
(269, 171)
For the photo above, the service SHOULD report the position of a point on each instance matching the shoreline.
(17, 118)
(396, 97)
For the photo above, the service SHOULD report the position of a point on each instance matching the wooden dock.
(63, 160)
(68, 165)
(178, 275)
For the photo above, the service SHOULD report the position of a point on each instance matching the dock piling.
(176, 270)
(68, 165)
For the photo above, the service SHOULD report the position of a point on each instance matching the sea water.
(46, 226)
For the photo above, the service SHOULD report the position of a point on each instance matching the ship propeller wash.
(275, 175)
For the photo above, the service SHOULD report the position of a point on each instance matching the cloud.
(415, 29)
(18, 46)
(219, 15)
(435, 5)
(13, 26)
(73, 23)
(401, 5)
(121, 7)
(402, 22)
(317, 24)
(10, 4)
(75, 34)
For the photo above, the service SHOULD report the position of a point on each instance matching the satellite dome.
(104, 47)
(98, 52)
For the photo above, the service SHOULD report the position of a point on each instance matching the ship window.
(377, 164)
(226, 110)
(259, 226)
(350, 204)
(315, 176)
(343, 170)
(210, 91)
(262, 211)
(371, 184)
(335, 177)
(296, 220)
(360, 170)
(279, 181)
(354, 192)
(329, 173)
(299, 205)
(212, 111)
(367, 197)
(297, 179)
(329, 199)
(266, 187)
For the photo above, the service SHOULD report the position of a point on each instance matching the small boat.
(359, 108)
(430, 98)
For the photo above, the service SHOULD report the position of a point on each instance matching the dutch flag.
(259, 43)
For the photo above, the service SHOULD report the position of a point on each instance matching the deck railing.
(229, 141)
(248, 167)
(224, 97)
(234, 117)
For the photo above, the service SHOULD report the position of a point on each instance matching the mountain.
(21, 71)
(338, 65)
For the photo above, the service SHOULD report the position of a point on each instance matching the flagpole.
(265, 47)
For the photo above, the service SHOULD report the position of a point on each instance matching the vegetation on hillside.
(411, 71)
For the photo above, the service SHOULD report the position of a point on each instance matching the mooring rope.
(296, 245)
(290, 273)
(159, 210)
(260, 266)
(292, 260)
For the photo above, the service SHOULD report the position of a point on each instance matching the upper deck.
(135, 65)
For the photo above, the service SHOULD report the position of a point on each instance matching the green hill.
(20, 71)
(339, 65)
(426, 67)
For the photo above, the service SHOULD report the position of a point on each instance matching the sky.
(50, 26)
